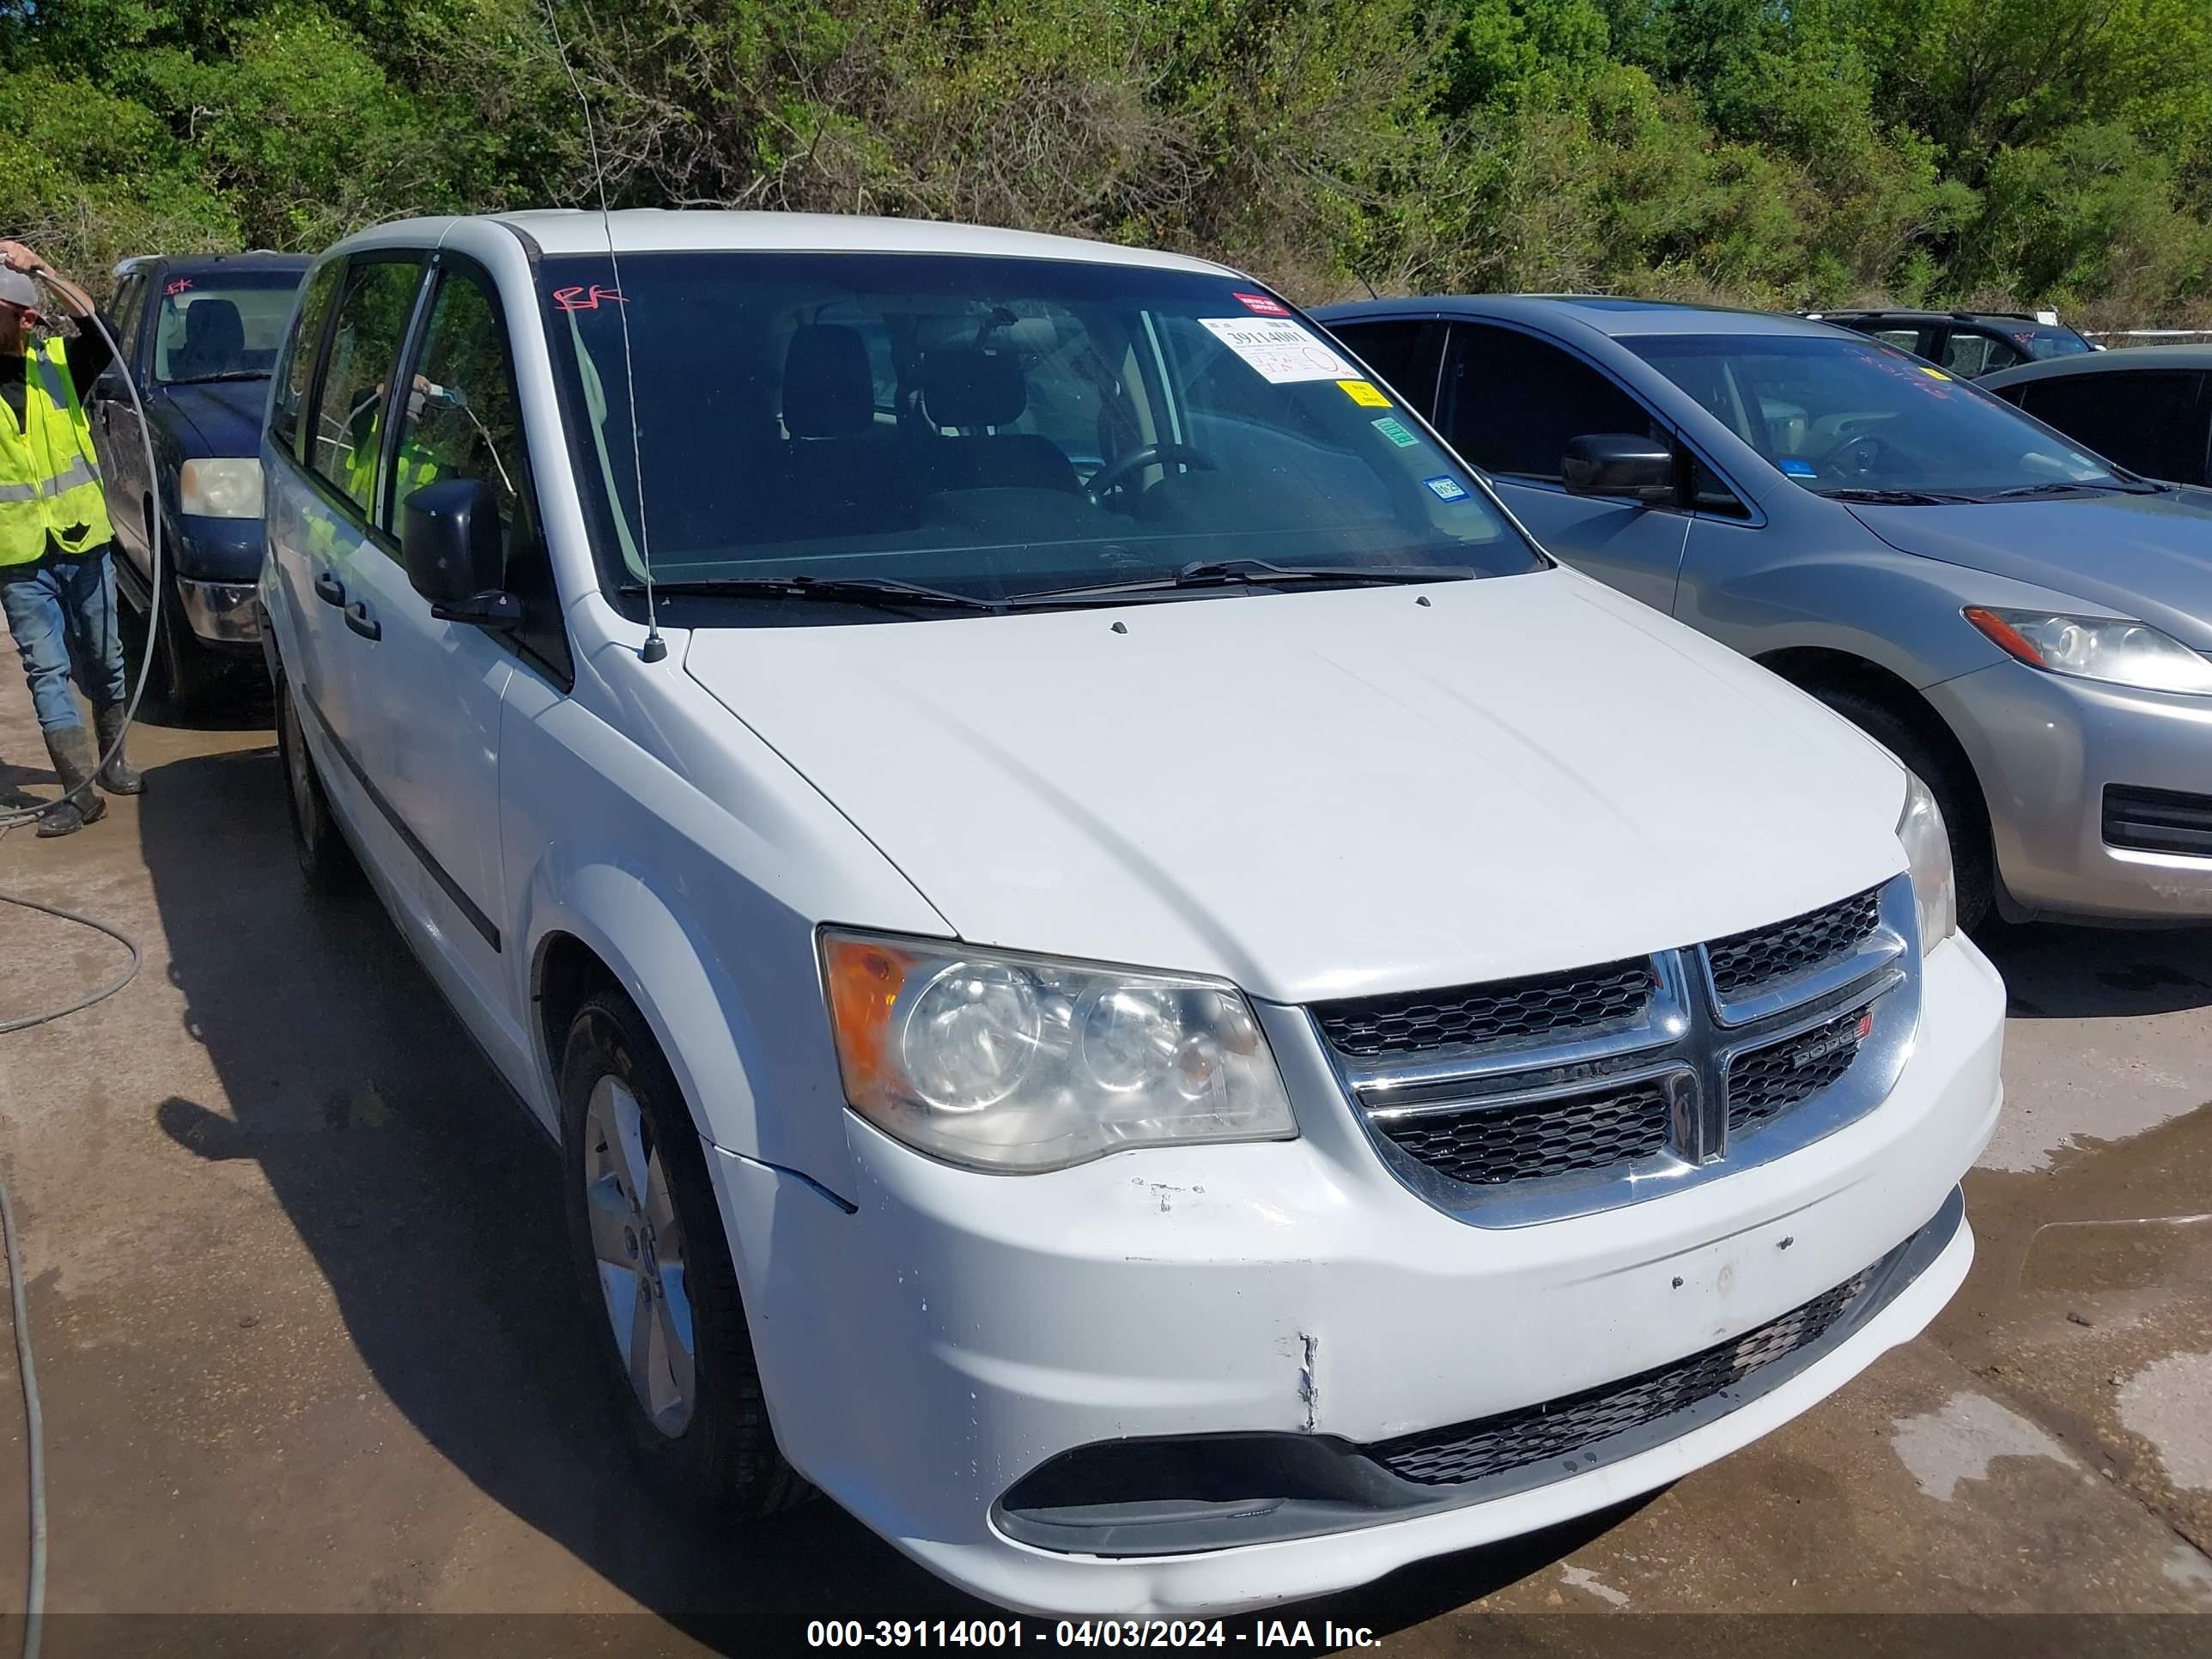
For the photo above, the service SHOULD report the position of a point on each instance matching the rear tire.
(654, 1266)
(1974, 863)
(326, 860)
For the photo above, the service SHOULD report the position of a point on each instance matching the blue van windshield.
(994, 427)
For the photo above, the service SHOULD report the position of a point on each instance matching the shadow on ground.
(2055, 972)
(429, 1200)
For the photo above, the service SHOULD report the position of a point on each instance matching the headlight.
(1928, 856)
(226, 488)
(2107, 648)
(1018, 1064)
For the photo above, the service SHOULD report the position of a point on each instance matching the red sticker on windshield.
(1262, 304)
(580, 298)
(178, 286)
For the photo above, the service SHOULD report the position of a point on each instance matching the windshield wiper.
(2064, 487)
(1893, 497)
(843, 590)
(227, 375)
(1258, 572)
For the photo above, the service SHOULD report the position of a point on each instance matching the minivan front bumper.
(955, 1332)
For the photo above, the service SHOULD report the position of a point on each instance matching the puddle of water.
(2137, 1254)
(1960, 1439)
(2169, 1403)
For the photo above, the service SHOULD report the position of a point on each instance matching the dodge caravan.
(1131, 982)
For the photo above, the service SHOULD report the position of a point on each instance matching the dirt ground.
(307, 1346)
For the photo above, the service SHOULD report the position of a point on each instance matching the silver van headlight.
(1928, 856)
(1018, 1064)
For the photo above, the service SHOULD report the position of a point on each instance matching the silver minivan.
(2028, 626)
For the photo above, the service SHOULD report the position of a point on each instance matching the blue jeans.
(62, 612)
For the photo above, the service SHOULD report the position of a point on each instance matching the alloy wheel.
(638, 1246)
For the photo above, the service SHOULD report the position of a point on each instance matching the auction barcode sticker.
(1280, 352)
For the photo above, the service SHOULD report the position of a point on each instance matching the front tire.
(326, 860)
(653, 1267)
(1973, 861)
(188, 676)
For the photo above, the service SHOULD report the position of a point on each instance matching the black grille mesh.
(2158, 820)
(1751, 961)
(1589, 1132)
(1581, 1422)
(1769, 1081)
(1410, 1023)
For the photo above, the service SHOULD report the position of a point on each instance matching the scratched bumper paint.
(925, 1351)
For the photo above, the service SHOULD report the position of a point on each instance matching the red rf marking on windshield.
(178, 286)
(580, 298)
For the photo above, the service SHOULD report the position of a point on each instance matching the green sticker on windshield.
(1391, 427)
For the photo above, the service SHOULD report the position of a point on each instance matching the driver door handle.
(359, 620)
(328, 588)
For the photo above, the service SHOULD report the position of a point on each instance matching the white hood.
(1326, 793)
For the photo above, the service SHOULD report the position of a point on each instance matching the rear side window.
(1511, 404)
(1403, 355)
(2149, 422)
(296, 367)
(350, 404)
(1972, 355)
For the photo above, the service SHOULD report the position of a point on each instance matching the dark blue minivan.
(200, 333)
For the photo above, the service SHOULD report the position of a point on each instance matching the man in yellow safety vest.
(57, 578)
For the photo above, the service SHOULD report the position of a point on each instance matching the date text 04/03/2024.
(1286, 1634)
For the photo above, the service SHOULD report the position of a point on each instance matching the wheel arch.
(1814, 669)
(603, 923)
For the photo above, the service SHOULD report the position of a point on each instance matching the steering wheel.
(1859, 454)
(1116, 473)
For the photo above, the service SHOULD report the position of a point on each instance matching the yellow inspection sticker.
(1365, 395)
(1933, 373)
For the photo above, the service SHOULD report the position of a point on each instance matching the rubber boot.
(118, 776)
(70, 750)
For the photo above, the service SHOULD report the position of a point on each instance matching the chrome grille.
(1744, 962)
(1534, 1098)
(1764, 1082)
(1580, 1424)
(1484, 1147)
(1510, 1009)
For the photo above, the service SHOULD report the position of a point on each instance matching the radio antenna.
(654, 649)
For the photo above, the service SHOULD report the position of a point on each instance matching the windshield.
(222, 325)
(2042, 342)
(1847, 414)
(990, 428)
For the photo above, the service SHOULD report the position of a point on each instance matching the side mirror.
(452, 543)
(1619, 464)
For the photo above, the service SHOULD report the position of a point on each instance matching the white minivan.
(1133, 983)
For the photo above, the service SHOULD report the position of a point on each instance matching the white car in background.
(1131, 982)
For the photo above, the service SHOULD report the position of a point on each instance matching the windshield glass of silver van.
(990, 427)
(1845, 416)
